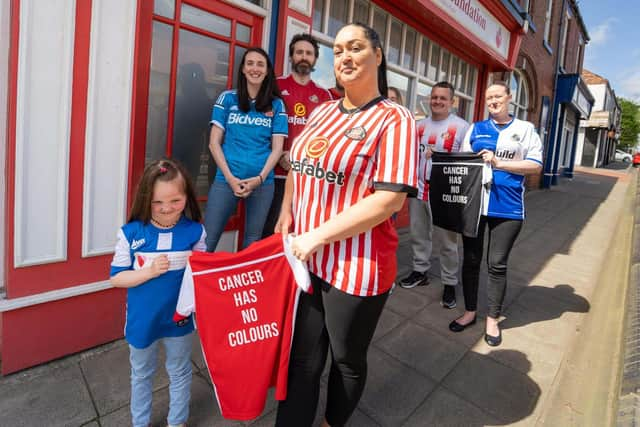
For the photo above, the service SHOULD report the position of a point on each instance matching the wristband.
(261, 180)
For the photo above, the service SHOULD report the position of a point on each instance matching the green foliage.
(629, 123)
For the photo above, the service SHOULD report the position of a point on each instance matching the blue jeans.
(222, 203)
(178, 366)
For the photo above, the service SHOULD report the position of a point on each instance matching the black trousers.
(329, 318)
(274, 210)
(502, 235)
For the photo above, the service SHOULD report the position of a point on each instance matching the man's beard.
(303, 67)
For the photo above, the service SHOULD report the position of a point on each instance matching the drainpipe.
(549, 157)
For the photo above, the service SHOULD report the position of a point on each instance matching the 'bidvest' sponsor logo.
(317, 171)
(243, 119)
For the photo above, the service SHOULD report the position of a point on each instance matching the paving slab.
(502, 391)
(444, 409)
(393, 390)
(111, 387)
(55, 398)
(423, 349)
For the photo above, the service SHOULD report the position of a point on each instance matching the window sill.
(547, 47)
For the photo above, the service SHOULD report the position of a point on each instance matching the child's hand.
(160, 265)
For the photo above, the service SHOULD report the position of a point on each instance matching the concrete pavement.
(420, 374)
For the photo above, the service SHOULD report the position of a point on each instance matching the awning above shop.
(572, 90)
(486, 31)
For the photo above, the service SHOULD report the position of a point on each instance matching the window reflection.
(158, 110)
(203, 66)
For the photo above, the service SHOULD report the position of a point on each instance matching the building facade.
(553, 46)
(598, 135)
(91, 90)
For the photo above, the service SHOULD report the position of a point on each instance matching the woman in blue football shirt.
(249, 127)
(513, 149)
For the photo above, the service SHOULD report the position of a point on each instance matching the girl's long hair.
(163, 170)
(268, 89)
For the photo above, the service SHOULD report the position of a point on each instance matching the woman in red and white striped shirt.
(352, 167)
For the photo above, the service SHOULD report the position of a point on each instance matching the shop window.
(338, 14)
(323, 73)
(462, 81)
(164, 8)
(395, 43)
(205, 20)
(423, 91)
(424, 57)
(519, 95)
(415, 62)
(401, 82)
(471, 81)
(318, 14)
(360, 12)
(380, 24)
(434, 63)
(444, 66)
(409, 49)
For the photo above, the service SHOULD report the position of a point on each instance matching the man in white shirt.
(442, 131)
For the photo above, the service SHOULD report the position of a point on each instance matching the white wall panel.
(108, 123)
(42, 130)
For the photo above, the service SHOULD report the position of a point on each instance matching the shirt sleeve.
(185, 305)
(462, 129)
(220, 110)
(280, 124)
(534, 147)
(122, 255)
(201, 246)
(397, 154)
(466, 142)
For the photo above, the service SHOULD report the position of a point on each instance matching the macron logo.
(137, 243)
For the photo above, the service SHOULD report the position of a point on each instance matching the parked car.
(622, 156)
(636, 160)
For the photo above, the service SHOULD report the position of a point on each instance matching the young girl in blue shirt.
(150, 258)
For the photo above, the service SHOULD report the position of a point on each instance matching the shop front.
(98, 88)
(573, 103)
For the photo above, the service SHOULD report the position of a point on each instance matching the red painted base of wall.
(44, 332)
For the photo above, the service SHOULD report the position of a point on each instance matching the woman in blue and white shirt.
(514, 150)
(249, 125)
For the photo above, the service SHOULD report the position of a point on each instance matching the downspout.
(273, 32)
(549, 153)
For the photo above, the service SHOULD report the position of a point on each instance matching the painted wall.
(4, 68)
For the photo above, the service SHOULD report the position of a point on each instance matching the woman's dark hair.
(163, 170)
(268, 89)
(374, 39)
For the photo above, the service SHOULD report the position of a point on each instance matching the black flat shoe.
(457, 327)
(493, 341)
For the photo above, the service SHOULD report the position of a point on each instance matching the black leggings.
(502, 235)
(329, 318)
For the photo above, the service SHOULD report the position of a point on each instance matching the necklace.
(350, 112)
(161, 225)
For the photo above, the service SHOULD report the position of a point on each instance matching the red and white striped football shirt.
(339, 159)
